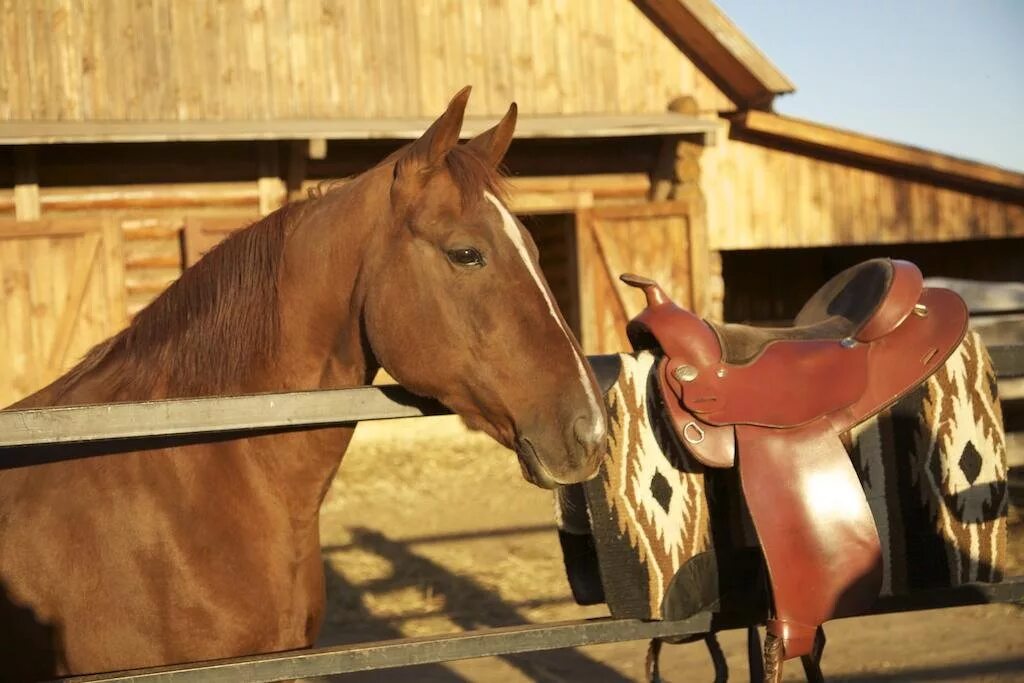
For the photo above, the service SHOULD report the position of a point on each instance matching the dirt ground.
(426, 535)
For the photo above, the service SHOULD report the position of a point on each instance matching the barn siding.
(281, 59)
(760, 197)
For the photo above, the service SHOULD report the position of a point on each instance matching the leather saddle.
(774, 402)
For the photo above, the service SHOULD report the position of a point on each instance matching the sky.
(947, 75)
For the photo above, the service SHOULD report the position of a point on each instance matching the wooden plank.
(150, 196)
(160, 20)
(8, 70)
(395, 128)
(26, 185)
(144, 44)
(94, 75)
(542, 46)
(522, 85)
(867, 148)
(332, 66)
(253, 32)
(600, 185)
(525, 202)
(113, 273)
(18, 297)
(81, 271)
(269, 187)
(295, 28)
(40, 71)
(66, 58)
(649, 210)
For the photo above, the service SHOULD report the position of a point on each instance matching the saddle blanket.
(658, 536)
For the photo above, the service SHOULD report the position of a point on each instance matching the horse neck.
(320, 293)
(322, 342)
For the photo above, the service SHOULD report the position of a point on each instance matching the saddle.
(774, 402)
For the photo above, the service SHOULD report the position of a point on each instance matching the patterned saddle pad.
(658, 536)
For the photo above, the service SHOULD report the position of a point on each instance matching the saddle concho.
(773, 405)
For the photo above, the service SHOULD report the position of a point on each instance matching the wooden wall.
(760, 197)
(280, 59)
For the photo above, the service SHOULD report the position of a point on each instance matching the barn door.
(62, 292)
(652, 239)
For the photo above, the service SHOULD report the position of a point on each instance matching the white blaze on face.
(512, 230)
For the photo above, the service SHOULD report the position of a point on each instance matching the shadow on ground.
(490, 611)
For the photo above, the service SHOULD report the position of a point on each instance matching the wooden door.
(62, 292)
(654, 239)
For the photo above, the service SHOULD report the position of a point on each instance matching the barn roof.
(849, 146)
(719, 48)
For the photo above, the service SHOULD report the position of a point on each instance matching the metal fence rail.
(217, 414)
(254, 412)
(505, 641)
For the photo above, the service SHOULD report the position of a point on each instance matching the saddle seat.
(881, 290)
(774, 401)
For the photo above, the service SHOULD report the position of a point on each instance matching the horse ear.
(443, 133)
(494, 142)
(426, 153)
(447, 128)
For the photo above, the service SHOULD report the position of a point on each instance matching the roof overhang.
(581, 126)
(709, 38)
(879, 154)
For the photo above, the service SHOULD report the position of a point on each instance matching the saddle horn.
(652, 290)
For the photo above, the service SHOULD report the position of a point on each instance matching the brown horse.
(209, 550)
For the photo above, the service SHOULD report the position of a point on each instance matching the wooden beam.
(603, 185)
(525, 202)
(81, 270)
(848, 144)
(26, 185)
(706, 35)
(270, 187)
(576, 126)
(317, 148)
(145, 196)
(295, 168)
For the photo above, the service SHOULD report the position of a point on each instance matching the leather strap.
(819, 539)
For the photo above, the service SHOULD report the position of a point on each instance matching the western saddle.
(774, 401)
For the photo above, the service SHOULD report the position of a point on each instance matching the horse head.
(459, 308)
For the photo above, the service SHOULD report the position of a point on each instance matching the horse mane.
(219, 322)
(473, 175)
(203, 332)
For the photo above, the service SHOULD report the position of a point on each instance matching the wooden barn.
(133, 136)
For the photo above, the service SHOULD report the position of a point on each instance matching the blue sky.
(947, 75)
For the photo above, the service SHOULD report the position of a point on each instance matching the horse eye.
(466, 256)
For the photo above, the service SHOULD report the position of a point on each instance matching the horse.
(201, 550)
